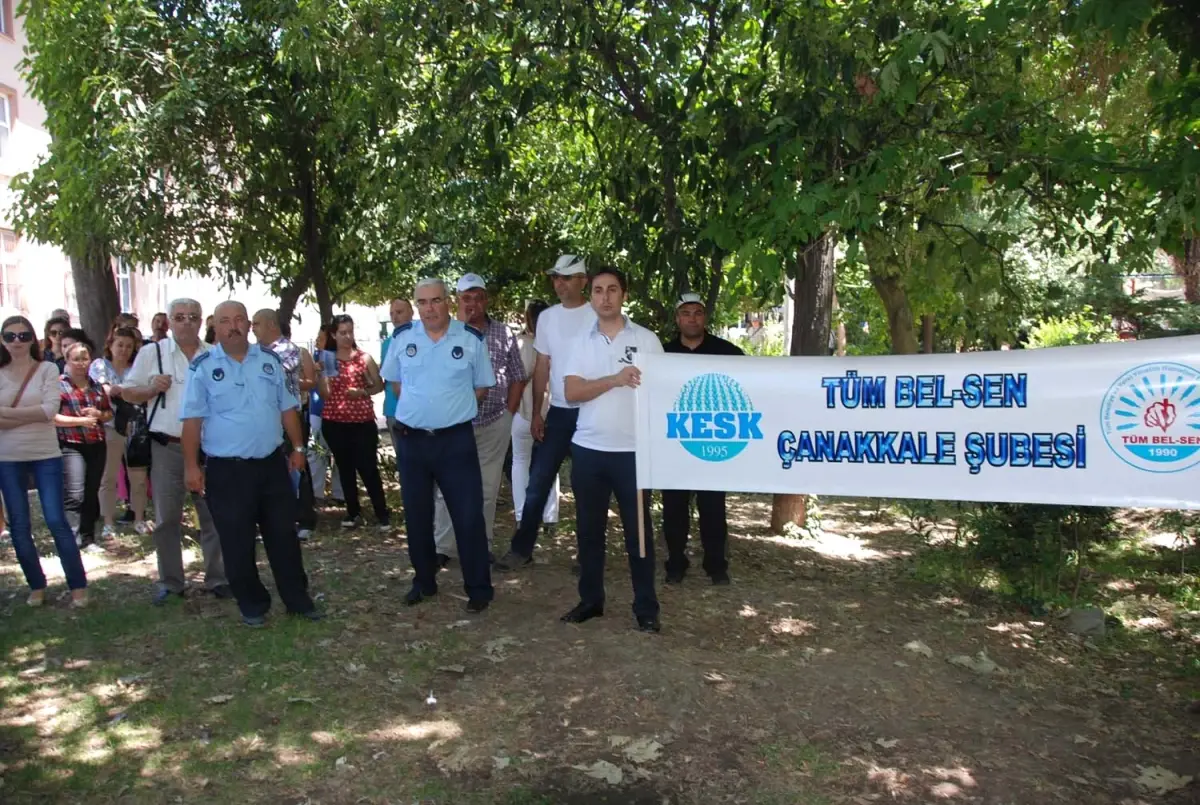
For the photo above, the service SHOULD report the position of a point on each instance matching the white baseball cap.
(689, 299)
(568, 266)
(468, 281)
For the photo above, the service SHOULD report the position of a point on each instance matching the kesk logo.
(1151, 417)
(713, 419)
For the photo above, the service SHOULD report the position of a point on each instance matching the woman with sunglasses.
(52, 343)
(29, 401)
(84, 409)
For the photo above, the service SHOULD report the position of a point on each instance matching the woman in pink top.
(29, 401)
(348, 421)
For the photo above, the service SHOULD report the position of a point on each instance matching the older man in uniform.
(493, 423)
(691, 317)
(237, 398)
(160, 373)
(439, 369)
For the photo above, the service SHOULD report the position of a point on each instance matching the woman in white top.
(110, 372)
(29, 401)
(523, 444)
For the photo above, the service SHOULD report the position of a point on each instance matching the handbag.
(137, 439)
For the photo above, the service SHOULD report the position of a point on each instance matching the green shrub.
(1082, 327)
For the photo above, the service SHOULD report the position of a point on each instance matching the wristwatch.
(297, 449)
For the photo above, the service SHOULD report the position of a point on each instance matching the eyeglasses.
(56, 333)
(24, 336)
(183, 317)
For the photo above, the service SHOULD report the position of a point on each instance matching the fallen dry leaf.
(917, 647)
(603, 770)
(643, 750)
(1160, 781)
(219, 698)
(452, 669)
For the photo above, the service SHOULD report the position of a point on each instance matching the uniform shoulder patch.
(199, 359)
(477, 333)
(403, 328)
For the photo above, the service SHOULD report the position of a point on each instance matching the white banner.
(1107, 425)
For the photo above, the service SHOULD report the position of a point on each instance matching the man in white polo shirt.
(600, 377)
(557, 331)
(157, 378)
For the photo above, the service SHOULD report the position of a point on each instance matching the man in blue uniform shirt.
(439, 369)
(236, 398)
(400, 311)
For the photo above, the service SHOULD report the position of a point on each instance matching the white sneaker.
(108, 532)
(354, 522)
(385, 528)
(143, 527)
(303, 534)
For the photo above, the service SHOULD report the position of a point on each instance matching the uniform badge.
(218, 374)
(268, 369)
(456, 353)
(410, 350)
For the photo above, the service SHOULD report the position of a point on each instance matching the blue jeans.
(548, 457)
(48, 478)
(597, 477)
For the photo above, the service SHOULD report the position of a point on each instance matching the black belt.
(405, 430)
(273, 454)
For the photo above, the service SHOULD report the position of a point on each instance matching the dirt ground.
(791, 686)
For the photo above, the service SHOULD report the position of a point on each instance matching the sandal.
(36, 598)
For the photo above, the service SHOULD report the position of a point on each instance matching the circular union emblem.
(268, 368)
(456, 353)
(218, 374)
(410, 350)
(713, 418)
(1150, 417)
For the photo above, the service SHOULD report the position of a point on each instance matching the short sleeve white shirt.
(558, 328)
(607, 422)
(174, 363)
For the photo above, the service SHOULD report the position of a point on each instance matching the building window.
(6, 18)
(124, 286)
(5, 121)
(10, 271)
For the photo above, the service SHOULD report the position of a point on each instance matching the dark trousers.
(449, 460)
(548, 456)
(355, 448)
(597, 476)
(83, 469)
(246, 496)
(714, 531)
(306, 512)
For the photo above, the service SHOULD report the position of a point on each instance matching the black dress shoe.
(583, 612)
(513, 561)
(443, 561)
(415, 596)
(648, 623)
(222, 591)
(313, 615)
(720, 579)
(477, 605)
(675, 576)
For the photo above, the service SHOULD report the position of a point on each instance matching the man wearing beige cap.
(493, 423)
(559, 327)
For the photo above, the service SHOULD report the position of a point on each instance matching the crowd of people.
(247, 431)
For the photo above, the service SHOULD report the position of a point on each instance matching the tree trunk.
(314, 247)
(715, 276)
(289, 297)
(813, 301)
(95, 289)
(839, 337)
(927, 333)
(1187, 266)
(900, 319)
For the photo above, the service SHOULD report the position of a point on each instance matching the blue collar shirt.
(239, 402)
(437, 378)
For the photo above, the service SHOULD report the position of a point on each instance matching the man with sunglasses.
(158, 376)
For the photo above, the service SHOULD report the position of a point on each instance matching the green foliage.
(1081, 327)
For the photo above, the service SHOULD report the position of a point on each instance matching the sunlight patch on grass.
(443, 730)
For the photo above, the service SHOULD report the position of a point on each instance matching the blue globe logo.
(713, 418)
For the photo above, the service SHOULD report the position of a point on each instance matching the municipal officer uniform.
(247, 485)
(436, 443)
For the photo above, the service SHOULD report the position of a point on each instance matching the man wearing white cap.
(691, 317)
(493, 423)
(559, 328)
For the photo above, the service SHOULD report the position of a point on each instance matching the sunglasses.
(182, 317)
(56, 333)
(25, 337)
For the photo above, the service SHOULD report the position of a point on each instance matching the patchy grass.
(790, 686)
